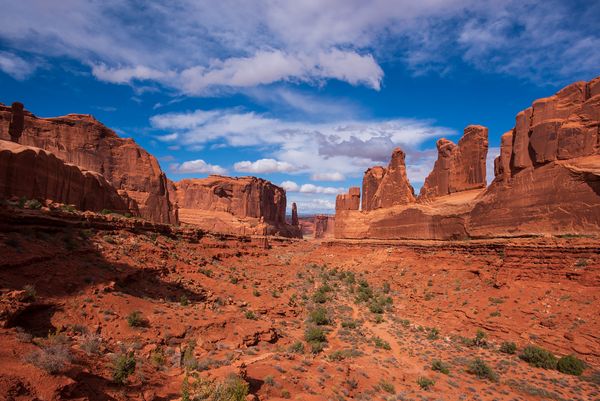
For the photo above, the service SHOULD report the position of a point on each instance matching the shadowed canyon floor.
(305, 320)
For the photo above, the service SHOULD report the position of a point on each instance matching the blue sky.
(306, 94)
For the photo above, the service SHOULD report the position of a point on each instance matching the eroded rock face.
(34, 173)
(371, 182)
(85, 142)
(459, 167)
(17, 118)
(324, 226)
(220, 203)
(349, 201)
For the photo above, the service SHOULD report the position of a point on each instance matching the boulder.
(34, 173)
(459, 167)
(85, 142)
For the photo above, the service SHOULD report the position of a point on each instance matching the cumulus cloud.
(241, 44)
(291, 186)
(331, 176)
(197, 166)
(345, 147)
(264, 166)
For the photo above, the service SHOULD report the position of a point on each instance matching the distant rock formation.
(458, 167)
(34, 173)
(349, 201)
(324, 226)
(233, 205)
(85, 142)
(547, 180)
(295, 215)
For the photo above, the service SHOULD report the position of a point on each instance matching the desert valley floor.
(297, 319)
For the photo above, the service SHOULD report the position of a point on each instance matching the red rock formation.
(294, 214)
(547, 180)
(221, 203)
(37, 174)
(349, 201)
(459, 167)
(85, 142)
(394, 189)
(324, 226)
(371, 182)
(15, 127)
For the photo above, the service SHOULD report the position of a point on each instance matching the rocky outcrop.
(394, 188)
(17, 121)
(233, 205)
(83, 141)
(295, 215)
(324, 226)
(349, 201)
(547, 180)
(34, 173)
(458, 167)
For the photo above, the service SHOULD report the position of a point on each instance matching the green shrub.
(425, 383)
(570, 365)
(184, 301)
(508, 348)
(480, 369)
(434, 334)
(30, 293)
(381, 343)
(135, 319)
(124, 366)
(480, 338)
(250, 315)
(440, 366)
(33, 204)
(387, 387)
(233, 388)
(319, 317)
(297, 347)
(315, 334)
(538, 357)
(320, 297)
(349, 324)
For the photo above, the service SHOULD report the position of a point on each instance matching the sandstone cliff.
(235, 205)
(34, 173)
(324, 226)
(547, 180)
(458, 167)
(85, 142)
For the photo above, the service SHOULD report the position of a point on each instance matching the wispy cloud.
(15, 66)
(264, 166)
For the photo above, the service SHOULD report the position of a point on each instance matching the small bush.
(440, 366)
(320, 297)
(480, 369)
(30, 293)
(434, 334)
(387, 387)
(135, 319)
(381, 343)
(480, 338)
(315, 334)
(297, 347)
(33, 204)
(54, 354)
(570, 365)
(349, 324)
(183, 300)
(508, 348)
(319, 317)
(538, 357)
(123, 367)
(425, 383)
(250, 315)
(286, 394)
(91, 344)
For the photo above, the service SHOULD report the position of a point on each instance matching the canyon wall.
(547, 180)
(241, 205)
(34, 173)
(324, 226)
(83, 141)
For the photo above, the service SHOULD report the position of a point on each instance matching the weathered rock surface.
(324, 226)
(233, 205)
(349, 201)
(371, 182)
(458, 167)
(547, 180)
(394, 189)
(295, 214)
(34, 173)
(85, 142)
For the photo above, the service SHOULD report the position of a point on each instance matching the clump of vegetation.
(538, 357)
(440, 366)
(387, 387)
(316, 338)
(425, 383)
(482, 370)
(381, 343)
(349, 324)
(53, 355)
(319, 317)
(297, 347)
(570, 365)
(434, 334)
(250, 315)
(30, 294)
(183, 300)
(508, 347)
(123, 367)
(136, 319)
(33, 204)
(233, 388)
(91, 344)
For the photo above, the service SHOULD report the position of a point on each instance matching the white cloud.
(264, 166)
(290, 186)
(197, 166)
(241, 44)
(332, 176)
(15, 66)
